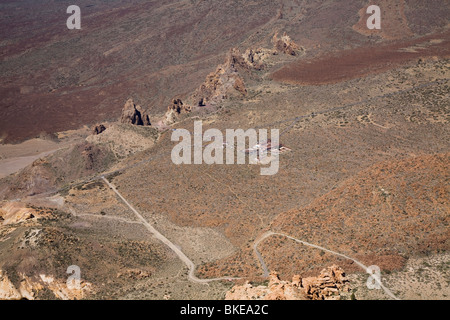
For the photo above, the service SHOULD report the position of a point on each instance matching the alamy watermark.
(74, 21)
(374, 21)
(213, 147)
(374, 280)
(74, 280)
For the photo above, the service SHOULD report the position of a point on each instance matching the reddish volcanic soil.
(359, 62)
(54, 79)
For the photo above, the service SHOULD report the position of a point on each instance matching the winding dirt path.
(180, 254)
(360, 264)
(188, 262)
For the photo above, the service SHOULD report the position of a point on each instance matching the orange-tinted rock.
(327, 286)
(276, 290)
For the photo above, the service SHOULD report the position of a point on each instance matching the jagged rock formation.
(250, 59)
(98, 129)
(285, 45)
(16, 212)
(29, 288)
(7, 290)
(222, 83)
(326, 286)
(276, 290)
(134, 114)
(175, 110)
(255, 58)
(226, 81)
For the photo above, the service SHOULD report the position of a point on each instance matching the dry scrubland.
(367, 174)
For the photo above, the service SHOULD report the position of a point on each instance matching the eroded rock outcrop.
(222, 83)
(62, 291)
(256, 58)
(285, 45)
(17, 212)
(7, 290)
(226, 82)
(251, 59)
(175, 111)
(134, 114)
(327, 286)
(275, 290)
(99, 128)
(29, 288)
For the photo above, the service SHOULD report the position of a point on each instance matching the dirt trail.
(188, 262)
(360, 264)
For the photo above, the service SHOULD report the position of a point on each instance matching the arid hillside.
(54, 79)
(382, 215)
(354, 63)
(363, 166)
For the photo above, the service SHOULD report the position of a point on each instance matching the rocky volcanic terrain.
(87, 179)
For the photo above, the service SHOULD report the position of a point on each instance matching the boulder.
(99, 128)
(175, 110)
